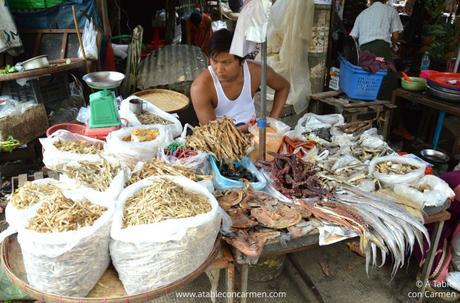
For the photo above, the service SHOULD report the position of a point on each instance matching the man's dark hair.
(195, 18)
(220, 42)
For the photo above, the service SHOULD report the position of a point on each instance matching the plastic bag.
(131, 152)
(175, 128)
(436, 194)
(55, 159)
(393, 179)
(68, 263)
(149, 256)
(221, 182)
(275, 132)
(310, 122)
(110, 195)
(89, 39)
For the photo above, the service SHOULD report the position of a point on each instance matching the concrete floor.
(337, 273)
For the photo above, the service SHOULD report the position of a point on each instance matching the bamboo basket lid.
(167, 100)
(108, 289)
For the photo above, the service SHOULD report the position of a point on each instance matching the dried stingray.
(149, 118)
(157, 167)
(221, 138)
(61, 214)
(78, 147)
(96, 175)
(31, 193)
(163, 200)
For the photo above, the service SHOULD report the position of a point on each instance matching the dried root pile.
(31, 193)
(97, 175)
(62, 214)
(163, 200)
(78, 147)
(157, 167)
(149, 118)
(221, 138)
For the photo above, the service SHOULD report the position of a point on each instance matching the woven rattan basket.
(167, 100)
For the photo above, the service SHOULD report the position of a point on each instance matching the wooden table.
(353, 110)
(423, 98)
(311, 241)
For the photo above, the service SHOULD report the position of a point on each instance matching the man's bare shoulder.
(202, 87)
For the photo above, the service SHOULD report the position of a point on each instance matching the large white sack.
(131, 152)
(68, 263)
(55, 159)
(150, 256)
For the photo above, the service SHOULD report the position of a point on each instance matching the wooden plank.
(65, 38)
(366, 104)
(50, 31)
(52, 69)
(423, 98)
(441, 216)
(328, 94)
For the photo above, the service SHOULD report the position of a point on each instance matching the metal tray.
(443, 95)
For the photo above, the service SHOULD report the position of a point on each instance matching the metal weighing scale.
(103, 109)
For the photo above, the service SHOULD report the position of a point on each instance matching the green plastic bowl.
(417, 84)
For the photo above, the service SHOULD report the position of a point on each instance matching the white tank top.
(242, 108)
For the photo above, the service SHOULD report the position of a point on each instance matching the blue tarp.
(58, 17)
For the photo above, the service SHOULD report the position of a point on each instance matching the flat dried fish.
(163, 200)
(62, 214)
(31, 193)
(78, 147)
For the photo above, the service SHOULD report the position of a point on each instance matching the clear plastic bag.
(89, 39)
(393, 179)
(150, 256)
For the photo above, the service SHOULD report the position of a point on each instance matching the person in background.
(198, 30)
(228, 86)
(378, 30)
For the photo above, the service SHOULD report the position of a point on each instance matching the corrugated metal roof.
(170, 65)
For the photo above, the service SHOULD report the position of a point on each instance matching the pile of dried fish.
(149, 118)
(61, 214)
(389, 167)
(258, 217)
(355, 127)
(78, 147)
(293, 177)
(156, 167)
(31, 193)
(221, 138)
(96, 175)
(380, 222)
(163, 200)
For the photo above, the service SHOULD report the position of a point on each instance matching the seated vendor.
(228, 86)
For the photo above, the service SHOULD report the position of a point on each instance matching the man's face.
(226, 66)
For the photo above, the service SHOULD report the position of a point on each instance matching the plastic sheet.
(149, 256)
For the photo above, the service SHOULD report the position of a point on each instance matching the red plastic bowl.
(71, 127)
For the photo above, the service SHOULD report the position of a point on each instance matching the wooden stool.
(354, 110)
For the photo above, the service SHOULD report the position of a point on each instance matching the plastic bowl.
(71, 127)
(417, 84)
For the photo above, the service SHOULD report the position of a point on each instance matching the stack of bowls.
(439, 86)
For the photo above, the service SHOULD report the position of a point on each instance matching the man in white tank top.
(227, 87)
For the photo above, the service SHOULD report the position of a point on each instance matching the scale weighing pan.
(103, 80)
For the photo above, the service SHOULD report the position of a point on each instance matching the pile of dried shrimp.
(221, 138)
(163, 200)
(61, 214)
(31, 193)
(78, 147)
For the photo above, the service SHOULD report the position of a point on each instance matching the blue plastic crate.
(357, 83)
(221, 182)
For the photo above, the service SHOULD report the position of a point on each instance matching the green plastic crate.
(33, 4)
